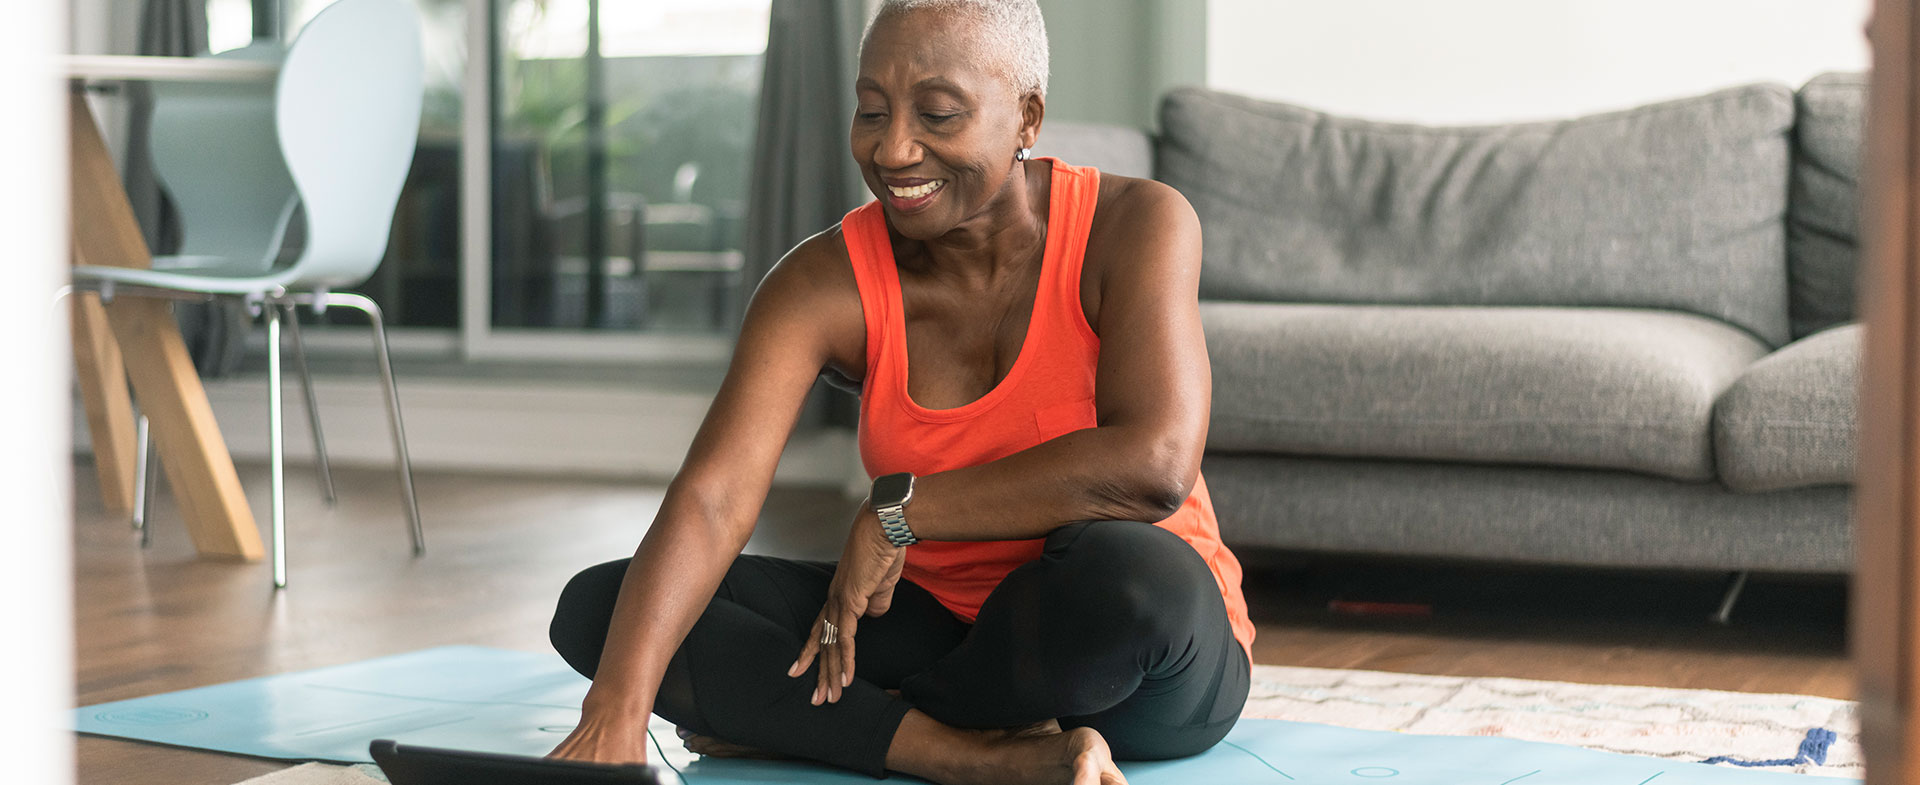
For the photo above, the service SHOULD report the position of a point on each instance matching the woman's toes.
(1093, 760)
(716, 748)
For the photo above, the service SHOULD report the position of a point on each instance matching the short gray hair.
(1011, 27)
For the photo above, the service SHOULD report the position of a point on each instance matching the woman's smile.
(911, 195)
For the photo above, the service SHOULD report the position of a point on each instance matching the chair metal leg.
(372, 310)
(146, 472)
(313, 405)
(1736, 582)
(275, 458)
(140, 444)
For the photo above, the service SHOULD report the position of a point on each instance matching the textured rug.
(1787, 733)
(1781, 733)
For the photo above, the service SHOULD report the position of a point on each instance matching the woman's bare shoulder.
(815, 282)
(1144, 234)
(1132, 204)
(814, 274)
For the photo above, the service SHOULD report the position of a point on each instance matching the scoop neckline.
(1001, 389)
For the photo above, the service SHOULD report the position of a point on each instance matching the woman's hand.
(600, 738)
(862, 586)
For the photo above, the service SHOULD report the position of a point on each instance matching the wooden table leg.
(194, 455)
(103, 393)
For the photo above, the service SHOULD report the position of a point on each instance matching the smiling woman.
(1036, 586)
(914, 105)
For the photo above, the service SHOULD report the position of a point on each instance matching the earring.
(1023, 154)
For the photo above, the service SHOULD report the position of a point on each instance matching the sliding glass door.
(580, 183)
(620, 137)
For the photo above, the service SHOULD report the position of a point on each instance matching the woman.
(1037, 585)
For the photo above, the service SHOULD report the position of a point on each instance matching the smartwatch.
(891, 492)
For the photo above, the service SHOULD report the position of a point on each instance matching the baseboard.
(515, 426)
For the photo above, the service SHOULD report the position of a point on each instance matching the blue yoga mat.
(495, 700)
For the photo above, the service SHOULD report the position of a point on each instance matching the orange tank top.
(1048, 392)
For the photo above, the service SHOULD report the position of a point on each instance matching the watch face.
(892, 489)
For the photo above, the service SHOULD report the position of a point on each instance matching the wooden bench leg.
(103, 393)
(198, 466)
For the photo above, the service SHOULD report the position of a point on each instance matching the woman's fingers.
(836, 659)
(822, 688)
(807, 651)
(829, 675)
(845, 648)
(819, 646)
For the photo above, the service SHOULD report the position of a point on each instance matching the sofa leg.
(1735, 583)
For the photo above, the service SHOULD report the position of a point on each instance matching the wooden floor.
(499, 549)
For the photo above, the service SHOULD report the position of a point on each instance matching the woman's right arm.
(712, 503)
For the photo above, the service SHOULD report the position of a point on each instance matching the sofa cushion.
(1602, 388)
(1117, 149)
(1791, 420)
(1823, 204)
(1676, 205)
(1525, 514)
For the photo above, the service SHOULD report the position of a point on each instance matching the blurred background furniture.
(645, 242)
(137, 340)
(344, 114)
(1621, 340)
(213, 144)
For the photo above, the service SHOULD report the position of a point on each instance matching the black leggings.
(1118, 626)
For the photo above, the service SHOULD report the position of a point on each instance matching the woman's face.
(936, 124)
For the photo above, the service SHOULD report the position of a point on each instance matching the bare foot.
(1033, 755)
(718, 748)
(1034, 729)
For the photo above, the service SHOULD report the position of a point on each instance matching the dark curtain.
(266, 19)
(804, 179)
(215, 333)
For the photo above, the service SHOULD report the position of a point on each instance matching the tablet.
(405, 764)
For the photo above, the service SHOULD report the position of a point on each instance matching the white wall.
(36, 663)
(1475, 61)
(105, 27)
(1112, 59)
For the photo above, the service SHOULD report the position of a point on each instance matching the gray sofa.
(1618, 340)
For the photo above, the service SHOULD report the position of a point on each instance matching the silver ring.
(829, 635)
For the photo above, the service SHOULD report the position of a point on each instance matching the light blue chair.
(216, 148)
(345, 113)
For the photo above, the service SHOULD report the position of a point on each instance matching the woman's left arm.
(1153, 391)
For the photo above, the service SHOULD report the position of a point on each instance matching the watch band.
(893, 521)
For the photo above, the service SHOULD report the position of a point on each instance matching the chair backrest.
(348, 108)
(216, 149)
